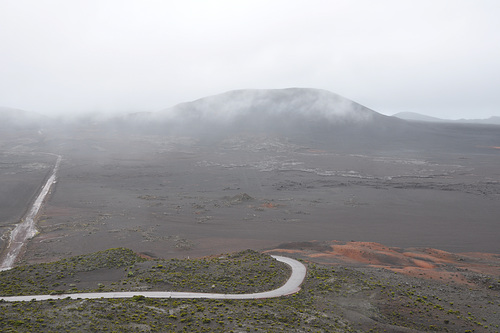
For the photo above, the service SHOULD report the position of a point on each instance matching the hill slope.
(311, 103)
(20, 119)
(412, 116)
(300, 114)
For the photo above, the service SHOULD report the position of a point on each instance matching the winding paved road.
(292, 286)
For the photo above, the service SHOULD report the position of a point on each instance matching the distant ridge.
(18, 119)
(412, 116)
(491, 120)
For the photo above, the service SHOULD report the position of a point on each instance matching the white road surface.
(292, 286)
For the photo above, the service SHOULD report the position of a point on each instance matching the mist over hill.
(298, 113)
(306, 116)
(313, 104)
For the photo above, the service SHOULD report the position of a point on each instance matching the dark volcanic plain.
(180, 196)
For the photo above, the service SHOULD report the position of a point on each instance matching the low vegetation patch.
(333, 299)
(122, 270)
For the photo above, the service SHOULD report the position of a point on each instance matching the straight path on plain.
(292, 286)
(26, 229)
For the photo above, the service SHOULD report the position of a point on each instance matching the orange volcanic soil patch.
(433, 255)
(485, 263)
(423, 263)
(432, 274)
(371, 253)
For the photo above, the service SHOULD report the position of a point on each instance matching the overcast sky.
(435, 57)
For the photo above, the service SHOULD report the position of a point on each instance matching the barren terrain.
(178, 197)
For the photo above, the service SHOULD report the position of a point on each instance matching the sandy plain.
(182, 197)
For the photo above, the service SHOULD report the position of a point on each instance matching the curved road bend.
(292, 286)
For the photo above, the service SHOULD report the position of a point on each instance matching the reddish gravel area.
(425, 263)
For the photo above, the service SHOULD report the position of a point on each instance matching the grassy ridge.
(122, 270)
